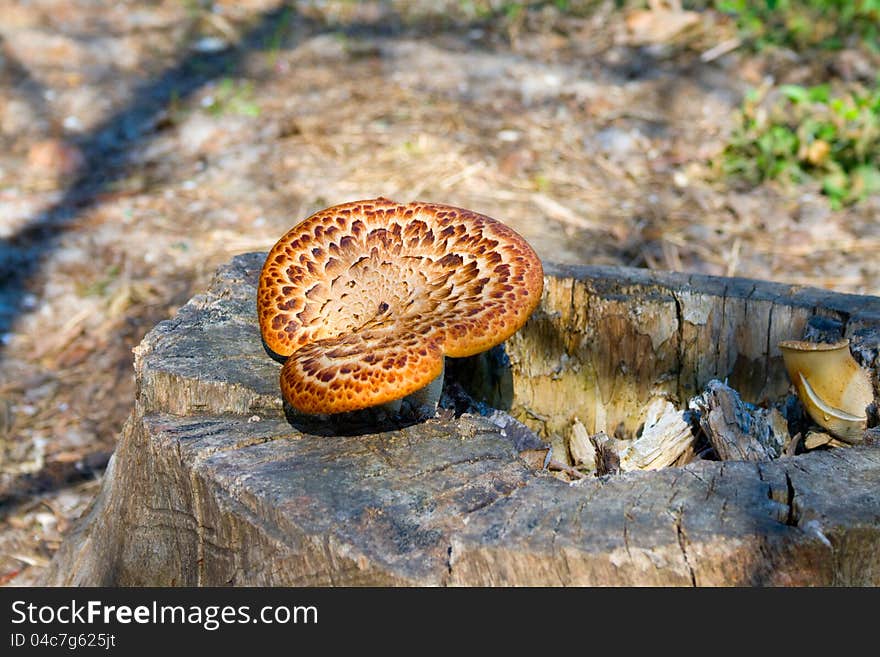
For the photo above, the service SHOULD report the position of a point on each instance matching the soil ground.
(144, 143)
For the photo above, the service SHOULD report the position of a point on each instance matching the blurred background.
(143, 143)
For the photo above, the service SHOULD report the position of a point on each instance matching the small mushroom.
(365, 299)
(833, 388)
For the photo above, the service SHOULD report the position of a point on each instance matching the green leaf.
(819, 93)
(835, 184)
(867, 179)
(795, 93)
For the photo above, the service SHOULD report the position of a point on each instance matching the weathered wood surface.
(737, 432)
(211, 485)
(614, 338)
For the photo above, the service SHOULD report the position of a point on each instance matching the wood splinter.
(739, 431)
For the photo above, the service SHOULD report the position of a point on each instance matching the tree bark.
(212, 484)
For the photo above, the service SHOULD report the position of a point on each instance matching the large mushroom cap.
(366, 298)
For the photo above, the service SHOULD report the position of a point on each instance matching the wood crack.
(793, 518)
(718, 368)
(682, 544)
(767, 348)
(487, 503)
(680, 347)
(452, 464)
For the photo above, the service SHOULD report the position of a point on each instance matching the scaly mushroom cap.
(366, 298)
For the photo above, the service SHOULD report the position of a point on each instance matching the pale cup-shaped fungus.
(831, 385)
(365, 299)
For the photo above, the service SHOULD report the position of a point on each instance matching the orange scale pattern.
(366, 298)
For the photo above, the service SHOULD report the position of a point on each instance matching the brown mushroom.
(366, 298)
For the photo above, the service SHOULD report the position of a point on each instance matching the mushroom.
(365, 299)
(833, 388)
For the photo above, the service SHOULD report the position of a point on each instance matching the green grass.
(804, 24)
(279, 34)
(797, 134)
(234, 97)
(505, 12)
(98, 287)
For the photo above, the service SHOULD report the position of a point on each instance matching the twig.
(720, 50)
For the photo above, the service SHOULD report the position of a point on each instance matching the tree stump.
(211, 484)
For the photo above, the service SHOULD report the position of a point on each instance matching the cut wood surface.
(211, 484)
